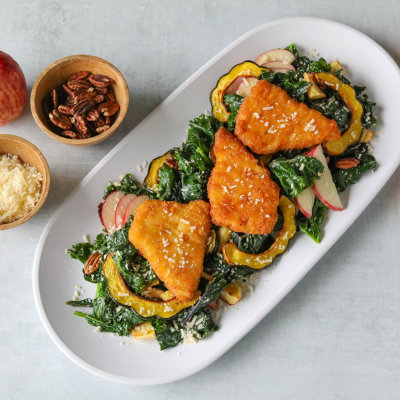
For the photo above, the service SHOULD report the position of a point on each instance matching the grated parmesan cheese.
(20, 186)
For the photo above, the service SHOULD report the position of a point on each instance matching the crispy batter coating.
(243, 197)
(269, 120)
(173, 238)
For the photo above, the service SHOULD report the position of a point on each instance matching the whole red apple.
(12, 89)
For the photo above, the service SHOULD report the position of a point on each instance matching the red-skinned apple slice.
(133, 206)
(246, 85)
(324, 188)
(282, 55)
(278, 65)
(305, 201)
(108, 210)
(234, 86)
(121, 209)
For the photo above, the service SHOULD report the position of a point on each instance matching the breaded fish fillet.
(243, 197)
(269, 120)
(173, 238)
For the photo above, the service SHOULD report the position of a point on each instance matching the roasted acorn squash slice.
(245, 69)
(234, 256)
(151, 180)
(213, 242)
(224, 235)
(145, 308)
(347, 93)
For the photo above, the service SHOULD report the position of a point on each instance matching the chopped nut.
(346, 163)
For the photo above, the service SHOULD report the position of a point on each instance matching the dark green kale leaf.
(293, 48)
(199, 325)
(127, 185)
(288, 81)
(166, 183)
(233, 101)
(252, 244)
(194, 186)
(80, 303)
(311, 226)
(297, 174)
(81, 251)
(345, 177)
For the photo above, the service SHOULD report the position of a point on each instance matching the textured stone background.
(335, 336)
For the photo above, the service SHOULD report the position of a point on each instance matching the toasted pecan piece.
(347, 163)
(93, 263)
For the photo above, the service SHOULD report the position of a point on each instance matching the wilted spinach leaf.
(311, 226)
(80, 303)
(234, 101)
(81, 251)
(297, 174)
(166, 182)
(127, 185)
(252, 244)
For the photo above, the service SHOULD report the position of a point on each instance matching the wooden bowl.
(30, 154)
(58, 73)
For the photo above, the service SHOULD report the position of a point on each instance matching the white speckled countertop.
(335, 336)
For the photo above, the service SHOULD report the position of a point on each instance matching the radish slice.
(278, 64)
(108, 210)
(284, 56)
(121, 208)
(305, 201)
(234, 86)
(245, 87)
(324, 188)
(133, 206)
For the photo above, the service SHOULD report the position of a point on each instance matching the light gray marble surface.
(335, 336)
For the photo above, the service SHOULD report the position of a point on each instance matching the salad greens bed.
(190, 183)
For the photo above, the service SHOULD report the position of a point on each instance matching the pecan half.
(76, 84)
(82, 106)
(79, 75)
(69, 101)
(54, 97)
(60, 120)
(98, 99)
(100, 80)
(68, 90)
(67, 110)
(92, 115)
(93, 263)
(102, 129)
(71, 134)
(101, 90)
(108, 120)
(346, 163)
(100, 122)
(110, 94)
(171, 162)
(81, 126)
(84, 95)
(111, 110)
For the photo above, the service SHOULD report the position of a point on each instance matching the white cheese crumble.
(20, 186)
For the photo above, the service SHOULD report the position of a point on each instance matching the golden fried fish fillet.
(173, 238)
(269, 120)
(242, 195)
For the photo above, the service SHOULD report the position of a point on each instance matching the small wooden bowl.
(58, 73)
(30, 154)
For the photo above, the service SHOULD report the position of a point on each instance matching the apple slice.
(282, 55)
(278, 65)
(108, 210)
(246, 85)
(233, 87)
(133, 206)
(305, 201)
(324, 188)
(121, 208)
(283, 70)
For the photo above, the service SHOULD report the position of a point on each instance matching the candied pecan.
(76, 84)
(67, 110)
(100, 80)
(102, 129)
(81, 75)
(60, 120)
(92, 115)
(171, 162)
(54, 97)
(81, 125)
(98, 99)
(68, 90)
(346, 163)
(82, 107)
(93, 263)
(71, 134)
(110, 94)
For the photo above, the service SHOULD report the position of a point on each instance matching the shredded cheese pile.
(20, 186)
